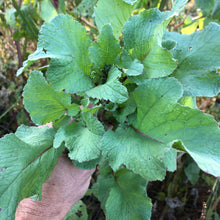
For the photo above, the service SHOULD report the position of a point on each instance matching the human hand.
(66, 186)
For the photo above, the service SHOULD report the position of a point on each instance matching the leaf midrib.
(18, 175)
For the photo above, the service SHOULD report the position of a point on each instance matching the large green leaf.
(137, 152)
(122, 200)
(72, 79)
(158, 63)
(66, 41)
(160, 117)
(142, 36)
(42, 102)
(112, 90)
(106, 49)
(129, 201)
(140, 32)
(36, 136)
(24, 166)
(83, 142)
(104, 183)
(198, 58)
(114, 12)
(64, 37)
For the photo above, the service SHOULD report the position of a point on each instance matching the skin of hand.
(66, 186)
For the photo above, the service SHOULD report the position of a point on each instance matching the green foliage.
(105, 50)
(87, 165)
(77, 212)
(23, 19)
(39, 94)
(115, 13)
(130, 67)
(82, 142)
(112, 90)
(120, 199)
(27, 159)
(122, 195)
(144, 43)
(192, 172)
(124, 146)
(175, 122)
(85, 8)
(194, 66)
(210, 10)
(216, 10)
(206, 6)
(70, 63)
(47, 10)
(132, 98)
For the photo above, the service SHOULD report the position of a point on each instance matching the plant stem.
(178, 25)
(88, 23)
(18, 50)
(162, 5)
(24, 49)
(1, 2)
(19, 2)
(27, 21)
(8, 110)
(145, 135)
(19, 53)
(213, 201)
(182, 22)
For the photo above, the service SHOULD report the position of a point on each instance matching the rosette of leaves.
(126, 92)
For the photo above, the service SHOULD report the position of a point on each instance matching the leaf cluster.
(126, 95)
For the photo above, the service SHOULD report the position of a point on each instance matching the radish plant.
(128, 92)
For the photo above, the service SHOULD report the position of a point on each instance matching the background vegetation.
(187, 193)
